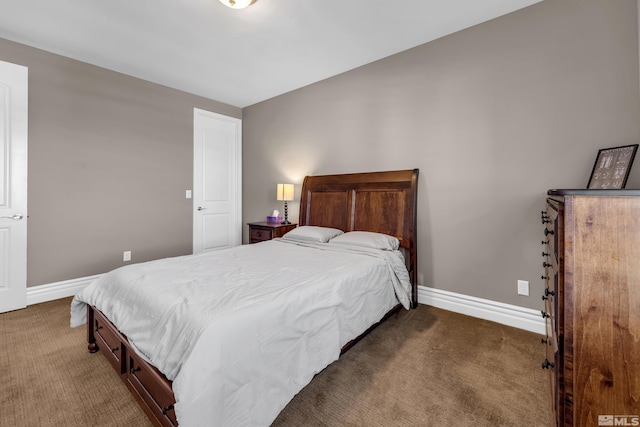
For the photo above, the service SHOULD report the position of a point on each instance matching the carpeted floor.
(424, 367)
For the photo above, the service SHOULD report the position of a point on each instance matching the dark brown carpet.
(424, 367)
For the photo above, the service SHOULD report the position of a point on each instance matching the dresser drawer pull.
(547, 231)
(166, 409)
(544, 277)
(546, 264)
(548, 292)
(543, 341)
(544, 314)
(546, 364)
(545, 218)
(544, 298)
(133, 370)
(545, 254)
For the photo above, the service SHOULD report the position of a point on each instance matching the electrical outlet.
(523, 288)
(126, 256)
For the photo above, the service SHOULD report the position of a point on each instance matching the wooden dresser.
(261, 231)
(591, 260)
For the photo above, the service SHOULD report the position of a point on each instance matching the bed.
(284, 309)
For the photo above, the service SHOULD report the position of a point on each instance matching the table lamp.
(285, 193)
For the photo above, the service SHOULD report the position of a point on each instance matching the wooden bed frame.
(383, 202)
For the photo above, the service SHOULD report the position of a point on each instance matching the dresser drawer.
(260, 235)
(109, 342)
(551, 322)
(281, 231)
(263, 231)
(151, 387)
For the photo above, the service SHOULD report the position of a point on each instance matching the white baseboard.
(506, 314)
(57, 290)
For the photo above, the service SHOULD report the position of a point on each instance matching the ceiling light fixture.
(237, 4)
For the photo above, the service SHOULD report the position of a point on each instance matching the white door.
(13, 186)
(217, 181)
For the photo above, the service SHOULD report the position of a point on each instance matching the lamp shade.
(237, 4)
(285, 192)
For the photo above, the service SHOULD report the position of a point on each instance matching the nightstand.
(262, 231)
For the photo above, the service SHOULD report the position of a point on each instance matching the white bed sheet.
(241, 331)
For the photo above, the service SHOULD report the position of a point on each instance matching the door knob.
(15, 217)
(200, 208)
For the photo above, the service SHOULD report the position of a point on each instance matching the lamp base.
(286, 214)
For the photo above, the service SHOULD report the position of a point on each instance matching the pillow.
(312, 233)
(368, 239)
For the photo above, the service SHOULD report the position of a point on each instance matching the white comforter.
(241, 331)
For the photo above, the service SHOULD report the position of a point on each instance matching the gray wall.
(110, 158)
(493, 116)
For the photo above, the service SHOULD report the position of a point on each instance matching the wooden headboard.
(383, 202)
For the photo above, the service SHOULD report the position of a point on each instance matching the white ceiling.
(239, 57)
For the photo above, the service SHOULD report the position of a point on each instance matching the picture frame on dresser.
(611, 168)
